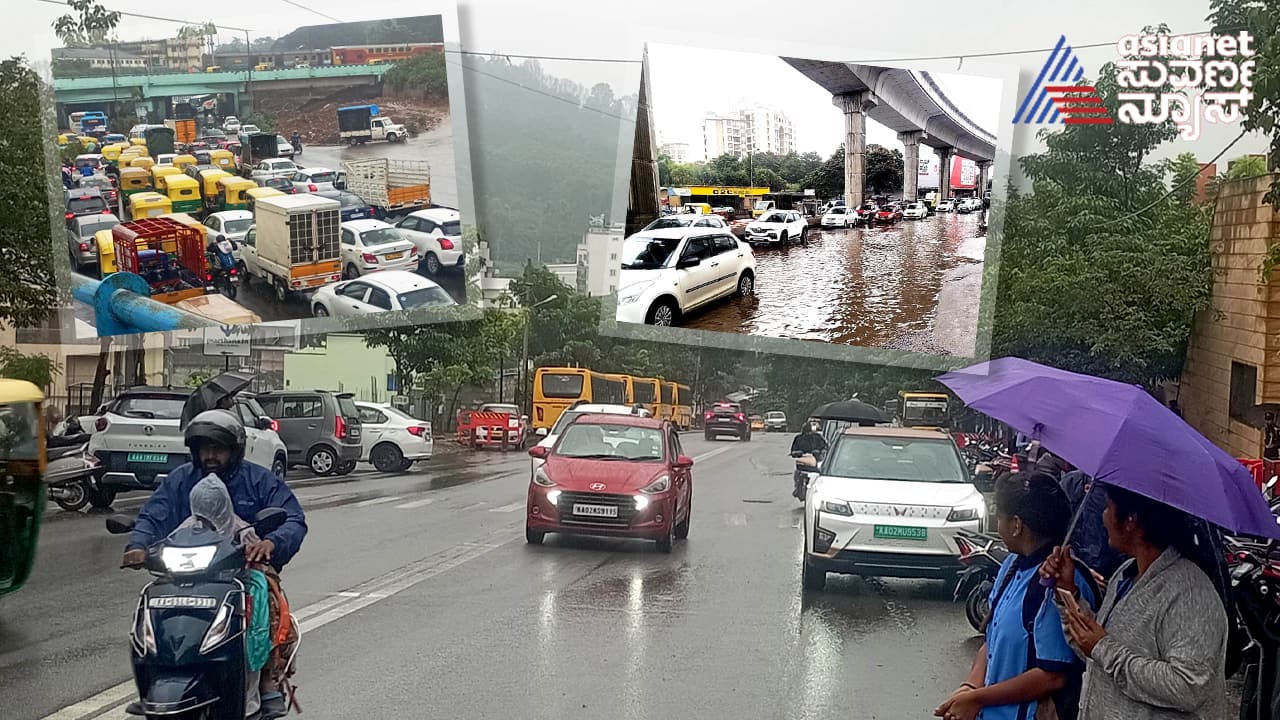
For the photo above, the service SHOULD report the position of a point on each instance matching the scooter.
(69, 476)
(982, 555)
(188, 641)
(806, 472)
(224, 275)
(1255, 583)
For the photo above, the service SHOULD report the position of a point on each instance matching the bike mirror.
(119, 525)
(269, 520)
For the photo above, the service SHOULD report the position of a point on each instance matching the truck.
(390, 185)
(159, 139)
(254, 149)
(358, 124)
(293, 244)
(184, 131)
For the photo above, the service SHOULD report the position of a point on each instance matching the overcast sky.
(680, 103)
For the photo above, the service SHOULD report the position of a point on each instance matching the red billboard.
(964, 174)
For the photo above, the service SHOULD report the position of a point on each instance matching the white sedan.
(314, 179)
(916, 211)
(392, 440)
(234, 224)
(839, 216)
(379, 292)
(778, 226)
(275, 168)
(667, 273)
(372, 245)
(437, 232)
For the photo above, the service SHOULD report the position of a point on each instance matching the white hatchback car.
(549, 437)
(667, 273)
(314, 179)
(392, 440)
(916, 211)
(234, 224)
(838, 216)
(372, 245)
(384, 291)
(438, 234)
(888, 502)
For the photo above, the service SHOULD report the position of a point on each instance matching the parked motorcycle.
(806, 471)
(69, 476)
(1255, 584)
(981, 554)
(189, 644)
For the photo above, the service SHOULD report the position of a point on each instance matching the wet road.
(418, 592)
(868, 287)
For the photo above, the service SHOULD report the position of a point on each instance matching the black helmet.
(220, 426)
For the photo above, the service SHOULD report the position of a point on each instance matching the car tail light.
(84, 247)
(100, 425)
(340, 427)
(233, 271)
(741, 417)
(296, 283)
(710, 415)
(106, 211)
(446, 244)
(208, 277)
(370, 258)
(70, 215)
(275, 426)
(312, 188)
(417, 430)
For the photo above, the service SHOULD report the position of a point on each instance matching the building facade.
(750, 129)
(678, 152)
(178, 53)
(723, 135)
(598, 260)
(104, 58)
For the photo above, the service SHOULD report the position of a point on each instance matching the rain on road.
(868, 287)
(418, 592)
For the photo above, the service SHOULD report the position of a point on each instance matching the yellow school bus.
(556, 388)
(926, 410)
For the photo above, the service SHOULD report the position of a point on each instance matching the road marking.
(111, 702)
(735, 519)
(792, 523)
(415, 504)
(472, 506)
(510, 508)
(378, 501)
(712, 453)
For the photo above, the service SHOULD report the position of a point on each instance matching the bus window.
(562, 385)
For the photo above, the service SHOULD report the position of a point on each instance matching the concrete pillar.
(643, 205)
(910, 164)
(854, 106)
(944, 171)
(984, 176)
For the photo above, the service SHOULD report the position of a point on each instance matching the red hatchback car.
(613, 475)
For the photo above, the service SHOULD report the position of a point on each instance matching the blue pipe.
(122, 305)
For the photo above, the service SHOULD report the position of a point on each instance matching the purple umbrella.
(1120, 435)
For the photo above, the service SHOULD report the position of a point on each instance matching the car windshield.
(425, 297)
(348, 406)
(775, 416)
(453, 228)
(380, 236)
(671, 221)
(774, 218)
(151, 407)
(647, 253)
(610, 442)
(566, 417)
(237, 226)
(836, 211)
(350, 200)
(94, 181)
(868, 457)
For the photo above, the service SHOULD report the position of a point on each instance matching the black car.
(727, 418)
(353, 206)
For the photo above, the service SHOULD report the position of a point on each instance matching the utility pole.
(525, 404)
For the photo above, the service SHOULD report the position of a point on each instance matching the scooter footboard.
(177, 693)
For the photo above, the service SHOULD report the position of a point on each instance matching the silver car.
(314, 179)
(275, 168)
(81, 244)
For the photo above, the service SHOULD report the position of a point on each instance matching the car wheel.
(663, 313)
(746, 285)
(783, 238)
(813, 578)
(322, 461)
(708, 436)
(319, 311)
(405, 465)
(533, 537)
(682, 530)
(386, 458)
(279, 467)
(746, 437)
(804, 236)
(665, 544)
(431, 264)
(978, 604)
(350, 273)
(345, 468)
(282, 291)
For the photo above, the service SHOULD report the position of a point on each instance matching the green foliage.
(91, 24)
(28, 288)
(1091, 278)
(883, 170)
(777, 172)
(797, 385)
(1185, 168)
(38, 370)
(827, 180)
(266, 121)
(1261, 18)
(1247, 167)
(423, 74)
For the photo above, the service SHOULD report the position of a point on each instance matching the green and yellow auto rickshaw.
(134, 180)
(144, 162)
(255, 194)
(106, 252)
(184, 161)
(231, 193)
(111, 153)
(149, 204)
(223, 160)
(22, 492)
(184, 193)
(209, 187)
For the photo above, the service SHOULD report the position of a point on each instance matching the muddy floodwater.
(869, 287)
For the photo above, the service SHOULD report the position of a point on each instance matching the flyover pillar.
(945, 154)
(984, 176)
(910, 164)
(854, 106)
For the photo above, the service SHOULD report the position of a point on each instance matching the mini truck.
(293, 244)
(167, 254)
(358, 124)
(392, 186)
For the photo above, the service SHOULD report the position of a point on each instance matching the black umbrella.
(854, 411)
(212, 392)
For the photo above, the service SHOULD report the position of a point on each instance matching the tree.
(1101, 271)
(884, 170)
(38, 370)
(1262, 113)
(827, 180)
(425, 74)
(1249, 166)
(1185, 168)
(90, 25)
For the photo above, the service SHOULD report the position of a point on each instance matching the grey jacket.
(1164, 653)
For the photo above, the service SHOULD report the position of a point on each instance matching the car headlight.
(835, 507)
(185, 560)
(967, 513)
(660, 485)
(553, 497)
(540, 477)
(632, 293)
(642, 502)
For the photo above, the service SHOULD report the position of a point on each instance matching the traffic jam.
(200, 213)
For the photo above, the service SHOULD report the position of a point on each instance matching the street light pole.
(524, 354)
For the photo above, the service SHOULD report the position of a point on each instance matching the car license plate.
(595, 510)
(147, 458)
(900, 532)
(395, 256)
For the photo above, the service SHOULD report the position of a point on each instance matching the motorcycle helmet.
(220, 426)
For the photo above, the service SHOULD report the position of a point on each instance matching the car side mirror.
(268, 520)
(264, 423)
(689, 262)
(542, 432)
(684, 461)
(539, 452)
(119, 525)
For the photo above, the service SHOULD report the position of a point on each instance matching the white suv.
(667, 273)
(778, 226)
(438, 234)
(888, 502)
(549, 437)
(916, 211)
(393, 441)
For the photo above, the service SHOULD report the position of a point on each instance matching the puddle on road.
(854, 286)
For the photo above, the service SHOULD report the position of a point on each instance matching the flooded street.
(869, 287)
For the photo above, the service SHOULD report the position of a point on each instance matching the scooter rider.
(809, 441)
(216, 439)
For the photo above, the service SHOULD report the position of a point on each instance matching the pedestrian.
(1089, 537)
(1270, 437)
(1025, 669)
(1157, 647)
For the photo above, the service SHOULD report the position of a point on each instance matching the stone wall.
(1242, 324)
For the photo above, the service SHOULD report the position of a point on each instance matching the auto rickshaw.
(159, 173)
(184, 193)
(65, 139)
(87, 141)
(22, 491)
(106, 252)
(209, 187)
(138, 142)
(183, 161)
(232, 193)
(255, 194)
(223, 159)
(128, 156)
(144, 162)
(111, 154)
(134, 180)
(149, 204)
